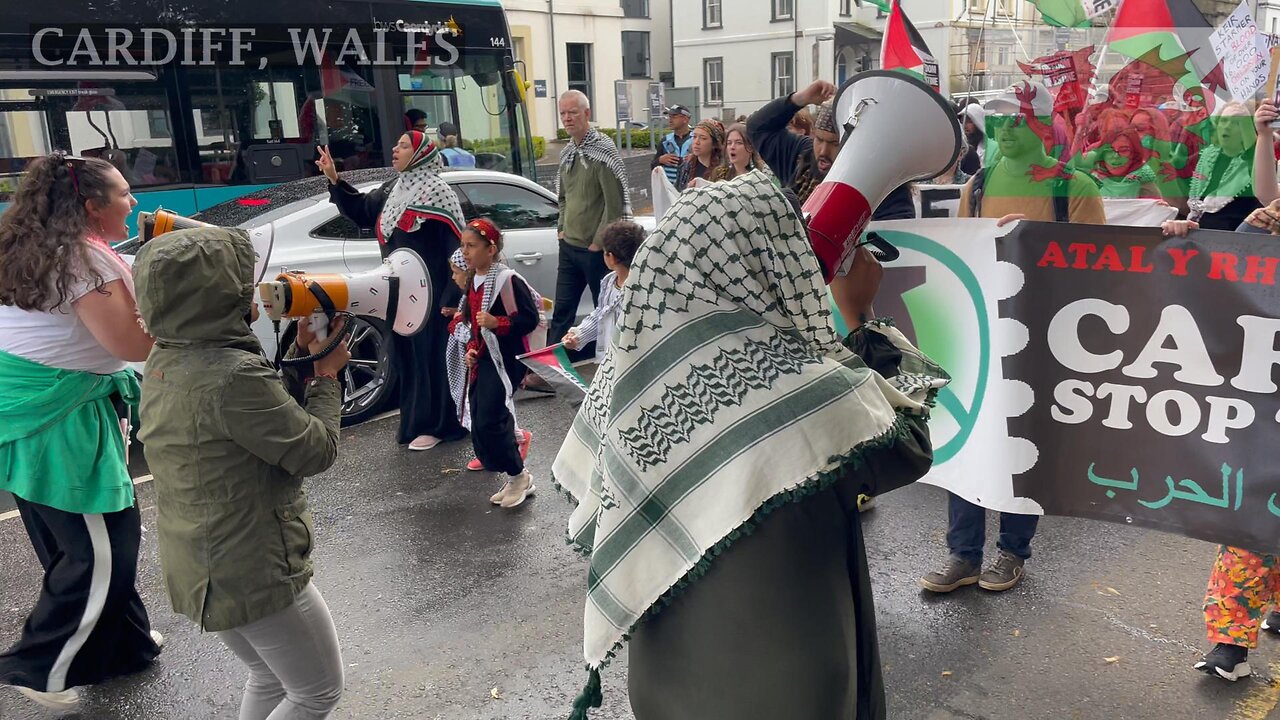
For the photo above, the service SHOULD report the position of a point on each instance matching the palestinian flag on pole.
(552, 364)
(903, 49)
(1171, 36)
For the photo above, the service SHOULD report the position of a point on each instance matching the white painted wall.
(596, 22)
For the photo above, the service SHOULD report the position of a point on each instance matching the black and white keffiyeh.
(726, 389)
(497, 282)
(597, 147)
(420, 194)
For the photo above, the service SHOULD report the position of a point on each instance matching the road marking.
(136, 481)
(1260, 701)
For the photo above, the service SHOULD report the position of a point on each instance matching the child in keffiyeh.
(486, 335)
(620, 240)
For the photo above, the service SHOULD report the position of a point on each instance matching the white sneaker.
(157, 638)
(517, 489)
(424, 442)
(61, 701)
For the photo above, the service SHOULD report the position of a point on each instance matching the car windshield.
(273, 203)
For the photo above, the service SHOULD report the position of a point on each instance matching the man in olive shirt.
(592, 186)
(1019, 182)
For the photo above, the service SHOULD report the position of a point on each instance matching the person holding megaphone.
(419, 211)
(229, 445)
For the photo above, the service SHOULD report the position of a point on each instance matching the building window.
(711, 17)
(713, 80)
(580, 69)
(635, 54)
(1004, 56)
(846, 8)
(635, 8)
(842, 69)
(783, 9)
(784, 74)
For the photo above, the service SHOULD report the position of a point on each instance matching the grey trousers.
(295, 665)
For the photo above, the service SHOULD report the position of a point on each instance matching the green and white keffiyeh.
(726, 392)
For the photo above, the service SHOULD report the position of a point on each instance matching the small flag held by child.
(552, 365)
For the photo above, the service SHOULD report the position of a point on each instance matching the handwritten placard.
(1243, 52)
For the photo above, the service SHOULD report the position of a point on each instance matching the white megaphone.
(397, 292)
(894, 129)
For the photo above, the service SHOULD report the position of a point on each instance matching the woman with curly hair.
(68, 326)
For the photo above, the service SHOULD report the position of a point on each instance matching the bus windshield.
(473, 98)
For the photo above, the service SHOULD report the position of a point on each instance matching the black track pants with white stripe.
(89, 625)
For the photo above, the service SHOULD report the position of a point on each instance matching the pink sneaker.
(525, 441)
(475, 465)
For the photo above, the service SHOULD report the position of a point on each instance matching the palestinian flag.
(1172, 37)
(903, 49)
(552, 364)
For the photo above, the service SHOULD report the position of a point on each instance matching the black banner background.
(1137, 461)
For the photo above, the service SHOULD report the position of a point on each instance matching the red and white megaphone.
(894, 129)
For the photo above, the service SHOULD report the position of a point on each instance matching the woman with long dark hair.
(705, 156)
(416, 210)
(68, 326)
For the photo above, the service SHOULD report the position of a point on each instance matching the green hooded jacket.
(227, 444)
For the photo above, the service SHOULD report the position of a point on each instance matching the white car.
(310, 235)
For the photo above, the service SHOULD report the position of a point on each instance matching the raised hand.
(325, 163)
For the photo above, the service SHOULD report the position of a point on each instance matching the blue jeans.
(967, 532)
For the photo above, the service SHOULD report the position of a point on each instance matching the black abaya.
(426, 407)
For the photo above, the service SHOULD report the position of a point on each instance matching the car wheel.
(369, 380)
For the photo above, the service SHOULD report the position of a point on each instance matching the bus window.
(484, 115)
(240, 111)
(23, 137)
(124, 123)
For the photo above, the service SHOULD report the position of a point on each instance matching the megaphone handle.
(319, 325)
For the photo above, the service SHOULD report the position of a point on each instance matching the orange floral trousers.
(1243, 585)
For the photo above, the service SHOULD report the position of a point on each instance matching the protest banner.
(1099, 372)
(1243, 51)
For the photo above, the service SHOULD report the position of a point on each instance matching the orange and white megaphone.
(894, 129)
(398, 292)
(154, 224)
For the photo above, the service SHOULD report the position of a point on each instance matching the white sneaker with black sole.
(1229, 662)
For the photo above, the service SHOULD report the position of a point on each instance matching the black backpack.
(1061, 198)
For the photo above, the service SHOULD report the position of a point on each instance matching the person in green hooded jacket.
(68, 328)
(229, 445)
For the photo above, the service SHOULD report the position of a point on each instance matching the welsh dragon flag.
(903, 49)
(1172, 37)
(552, 364)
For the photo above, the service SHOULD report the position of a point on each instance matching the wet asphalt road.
(441, 601)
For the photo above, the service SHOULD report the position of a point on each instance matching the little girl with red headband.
(486, 336)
